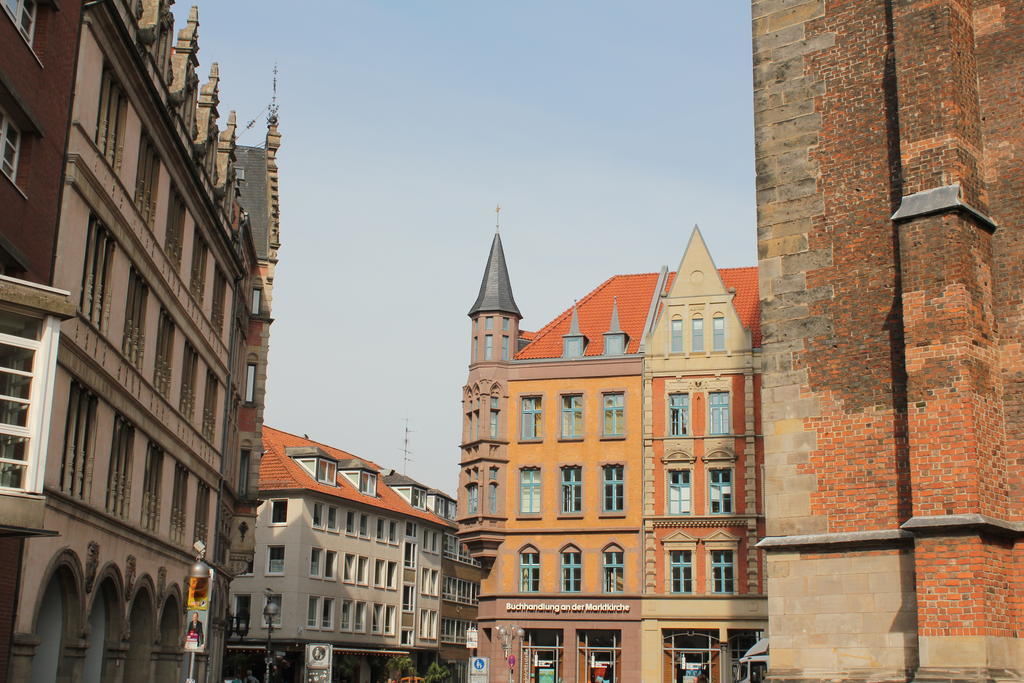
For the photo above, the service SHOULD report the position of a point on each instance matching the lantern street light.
(238, 624)
(270, 612)
(508, 636)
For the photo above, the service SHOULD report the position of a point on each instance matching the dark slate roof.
(253, 194)
(393, 478)
(495, 290)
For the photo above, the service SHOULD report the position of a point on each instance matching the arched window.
(492, 498)
(718, 333)
(697, 334)
(529, 570)
(572, 570)
(614, 569)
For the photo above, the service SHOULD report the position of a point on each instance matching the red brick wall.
(10, 561)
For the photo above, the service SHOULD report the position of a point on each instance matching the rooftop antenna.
(271, 108)
(497, 218)
(405, 449)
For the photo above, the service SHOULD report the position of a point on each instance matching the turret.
(494, 315)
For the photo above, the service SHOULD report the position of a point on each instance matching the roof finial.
(497, 218)
(613, 325)
(272, 113)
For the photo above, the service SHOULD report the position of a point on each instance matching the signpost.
(319, 662)
(479, 669)
(472, 639)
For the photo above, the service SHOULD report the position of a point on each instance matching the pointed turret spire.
(613, 326)
(495, 290)
(574, 325)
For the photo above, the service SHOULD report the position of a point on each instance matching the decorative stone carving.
(243, 529)
(680, 456)
(129, 576)
(698, 384)
(161, 584)
(92, 562)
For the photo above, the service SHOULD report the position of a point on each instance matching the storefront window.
(542, 656)
(599, 656)
(691, 656)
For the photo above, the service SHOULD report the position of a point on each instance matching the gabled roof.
(594, 312)
(634, 294)
(495, 289)
(279, 472)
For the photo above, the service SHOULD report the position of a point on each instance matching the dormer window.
(419, 498)
(614, 344)
(573, 346)
(368, 483)
(325, 471)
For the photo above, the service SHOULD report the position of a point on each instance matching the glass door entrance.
(691, 657)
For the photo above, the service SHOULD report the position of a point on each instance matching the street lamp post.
(270, 611)
(508, 636)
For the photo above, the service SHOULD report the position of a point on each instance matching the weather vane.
(497, 218)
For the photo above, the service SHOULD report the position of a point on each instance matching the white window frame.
(7, 125)
(284, 559)
(40, 399)
(17, 15)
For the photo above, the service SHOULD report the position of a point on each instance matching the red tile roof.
(633, 294)
(279, 472)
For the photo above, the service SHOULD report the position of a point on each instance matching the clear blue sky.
(606, 130)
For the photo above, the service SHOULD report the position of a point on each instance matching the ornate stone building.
(572, 488)
(141, 415)
(889, 178)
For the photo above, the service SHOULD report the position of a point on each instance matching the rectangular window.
(679, 495)
(178, 494)
(345, 620)
(492, 498)
(377, 621)
(210, 405)
(349, 574)
(494, 417)
(614, 571)
(99, 255)
(151, 485)
(360, 620)
(614, 344)
(364, 526)
(572, 417)
(120, 472)
(389, 620)
(718, 405)
(572, 347)
(720, 491)
(313, 612)
(697, 334)
(572, 571)
(408, 597)
(488, 323)
(244, 457)
(330, 562)
(718, 333)
(368, 483)
(147, 178)
(722, 573)
(488, 346)
(332, 518)
(110, 121)
(327, 614)
(318, 515)
(363, 571)
(392, 575)
(407, 637)
(189, 370)
(409, 555)
(504, 324)
(256, 301)
(133, 342)
(279, 512)
(381, 529)
(529, 491)
(275, 559)
(10, 145)
(681, 571)
(175, 227)
(677, 335)
(678, 414)
(572, 489)
(379, 573)
(315, 559)
(472, 499)
(197, 277)
(164, 353)
(504, 347)
(350, 522)
(614, 488)
(274, 598)
(220, 285)
(78, 456)
(392, 532)
(200, 528)
(531, 417)
(614, 414)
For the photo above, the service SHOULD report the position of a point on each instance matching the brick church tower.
(890, 175)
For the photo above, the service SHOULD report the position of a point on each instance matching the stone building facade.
(37, 72)
(142, 453)
(889, 160)
(564, 493)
